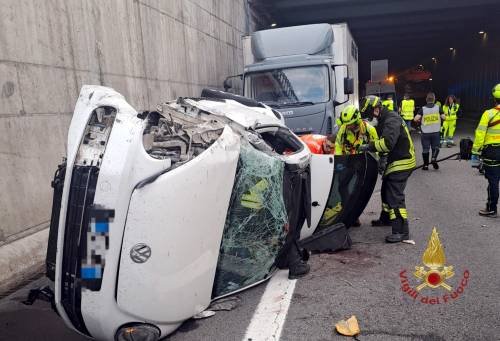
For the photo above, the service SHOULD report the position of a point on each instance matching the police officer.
(395, 141)
(487, 145)
(430, 117)
(407, 110)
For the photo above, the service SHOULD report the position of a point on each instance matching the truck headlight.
(138, 332)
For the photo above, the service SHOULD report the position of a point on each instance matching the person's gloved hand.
(382, 165)
(364, 148)
(474, 161)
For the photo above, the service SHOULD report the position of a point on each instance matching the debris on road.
(349, 327)
(409, 241)
(226, 304)
(204, 314)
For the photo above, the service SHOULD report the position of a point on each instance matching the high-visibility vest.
(438, 103)
(407, 109)
(488, 130)
(431, 120)
(451, 112)
(389, 104)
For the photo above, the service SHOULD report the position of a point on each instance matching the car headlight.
(138, 332)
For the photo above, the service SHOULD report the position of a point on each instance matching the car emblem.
(140, 253)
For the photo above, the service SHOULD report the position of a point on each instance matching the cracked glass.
(254, 231)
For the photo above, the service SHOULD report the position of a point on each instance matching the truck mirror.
(228, 84)
(348, 86)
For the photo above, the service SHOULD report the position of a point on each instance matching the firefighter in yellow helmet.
(395, 141)
(487, 146)
(353, 132)
(451, 111)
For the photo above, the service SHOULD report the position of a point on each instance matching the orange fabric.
(316, 143)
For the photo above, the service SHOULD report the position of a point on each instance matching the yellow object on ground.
(349, 327)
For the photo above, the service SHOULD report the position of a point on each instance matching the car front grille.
(81, 198)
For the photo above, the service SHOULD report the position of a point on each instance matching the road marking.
(269, 317)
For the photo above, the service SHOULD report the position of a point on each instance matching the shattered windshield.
(287, 87)
(254, 231)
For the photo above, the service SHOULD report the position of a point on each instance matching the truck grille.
(81, 197)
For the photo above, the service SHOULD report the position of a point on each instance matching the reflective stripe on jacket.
(395, 141)
(407, 109)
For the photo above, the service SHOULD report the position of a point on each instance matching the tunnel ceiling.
(405, 32)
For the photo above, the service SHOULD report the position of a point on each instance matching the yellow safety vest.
(348, 142)
(389, 104)
(486, 133)
(451, 113)
(407, 109)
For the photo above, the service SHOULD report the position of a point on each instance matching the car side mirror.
(228, 84)
(348, 86)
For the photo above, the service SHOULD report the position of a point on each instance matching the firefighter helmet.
(350, 115)
(496, 91)
(368, 104)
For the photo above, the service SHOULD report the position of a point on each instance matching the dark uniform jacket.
(394, 141)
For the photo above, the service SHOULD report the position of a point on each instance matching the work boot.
(425, 157)
(435, 154)
(383, 220)
(400, 231)
(298, 269)
(490, 213)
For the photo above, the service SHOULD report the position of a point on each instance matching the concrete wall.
(148, 50)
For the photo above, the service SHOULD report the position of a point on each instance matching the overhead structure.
(406, 31)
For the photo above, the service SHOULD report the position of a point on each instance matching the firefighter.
(407, 110)
(430, 119)
(450, 110)
(395, 141)
(389, 103)
(353, 132)
(487, 146)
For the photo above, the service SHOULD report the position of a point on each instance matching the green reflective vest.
(451, 112)
(407, 109)
(389, 104)
(488, 130)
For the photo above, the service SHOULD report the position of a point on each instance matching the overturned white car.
(158, 213)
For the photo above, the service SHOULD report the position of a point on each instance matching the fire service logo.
(433, 274)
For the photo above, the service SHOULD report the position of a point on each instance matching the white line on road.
(269, 317)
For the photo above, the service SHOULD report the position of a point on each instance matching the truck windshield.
(287, 87)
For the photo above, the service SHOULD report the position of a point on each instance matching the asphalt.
(363, 281)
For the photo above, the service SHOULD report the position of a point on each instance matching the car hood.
(248, 117)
